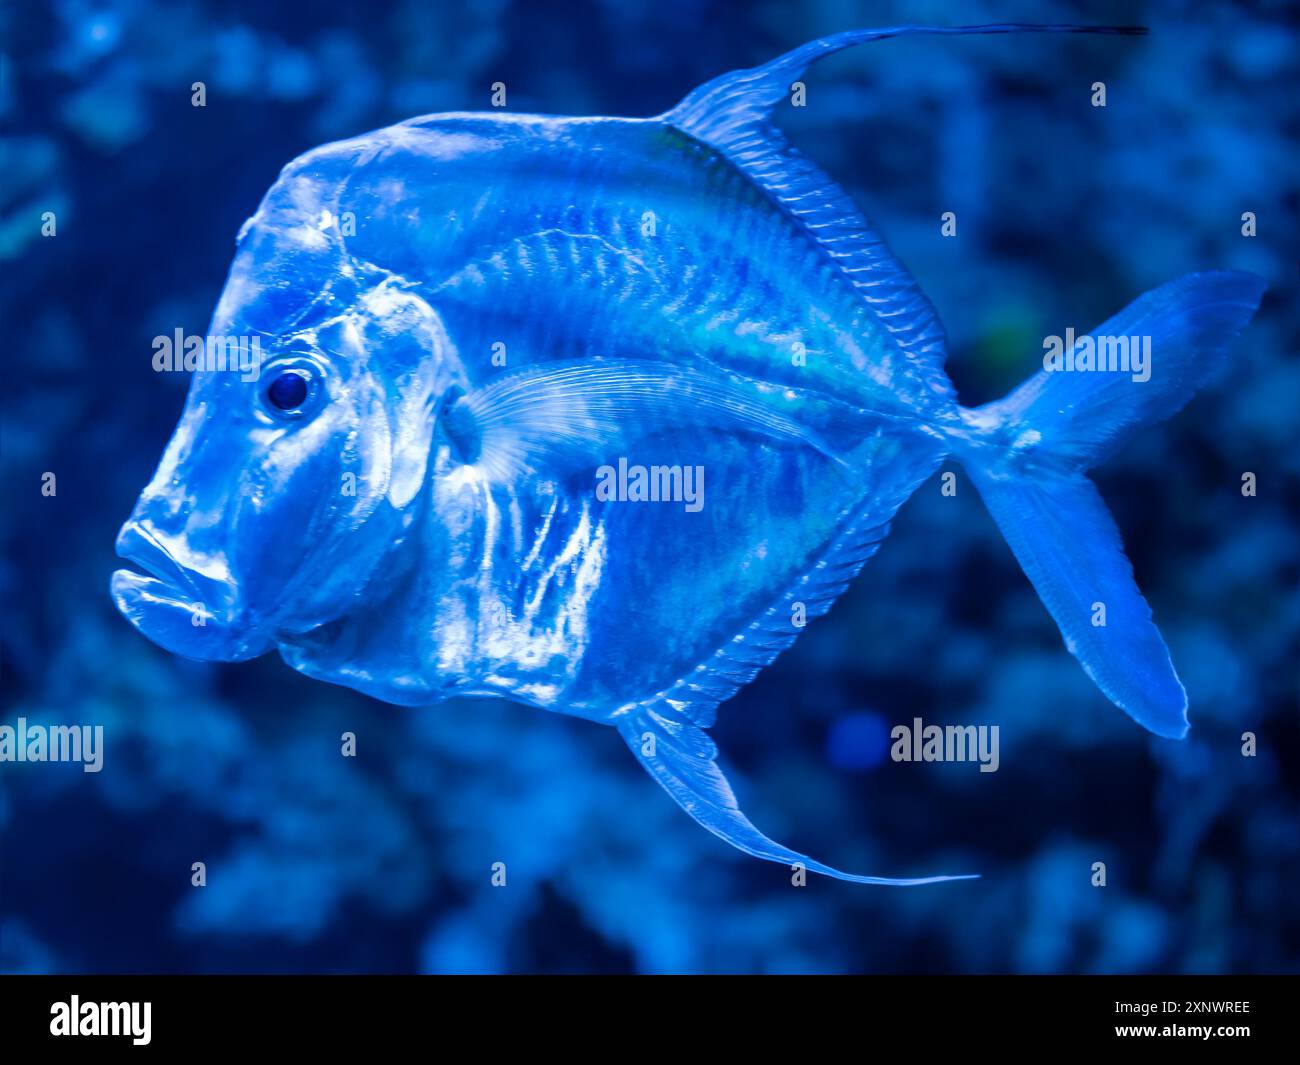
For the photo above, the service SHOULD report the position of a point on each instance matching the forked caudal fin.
(680, 756)
(1029, 452)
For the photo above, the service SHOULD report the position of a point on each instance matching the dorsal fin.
(732, 113)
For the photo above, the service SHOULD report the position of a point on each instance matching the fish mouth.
(165, 604)
(164, 578)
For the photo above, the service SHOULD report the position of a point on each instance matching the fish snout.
(182, 601)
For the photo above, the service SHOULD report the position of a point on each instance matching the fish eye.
(290, 389)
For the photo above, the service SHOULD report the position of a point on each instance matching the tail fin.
(1028, 459)
(680, 756)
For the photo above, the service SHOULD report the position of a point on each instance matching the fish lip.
(164, 601)
(138, 544)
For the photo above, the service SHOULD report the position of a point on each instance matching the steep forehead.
(288, 253)
(413, 202)
(423, 195)
(336, 220)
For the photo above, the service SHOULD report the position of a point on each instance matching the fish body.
(596, 414)
(615, 242)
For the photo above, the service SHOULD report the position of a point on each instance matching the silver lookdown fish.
(591, 413)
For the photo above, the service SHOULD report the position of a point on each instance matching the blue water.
(384, 862)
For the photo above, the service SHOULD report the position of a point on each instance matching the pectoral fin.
(564, 414)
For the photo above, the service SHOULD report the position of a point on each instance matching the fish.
(595, 414)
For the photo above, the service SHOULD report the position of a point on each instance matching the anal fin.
(666, 732)
(733, 665)
(681, 757)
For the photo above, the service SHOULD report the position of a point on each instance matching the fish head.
(282, 493)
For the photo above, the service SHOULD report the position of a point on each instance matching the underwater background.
(383, 862)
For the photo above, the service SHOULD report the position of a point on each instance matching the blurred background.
(317, 863)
